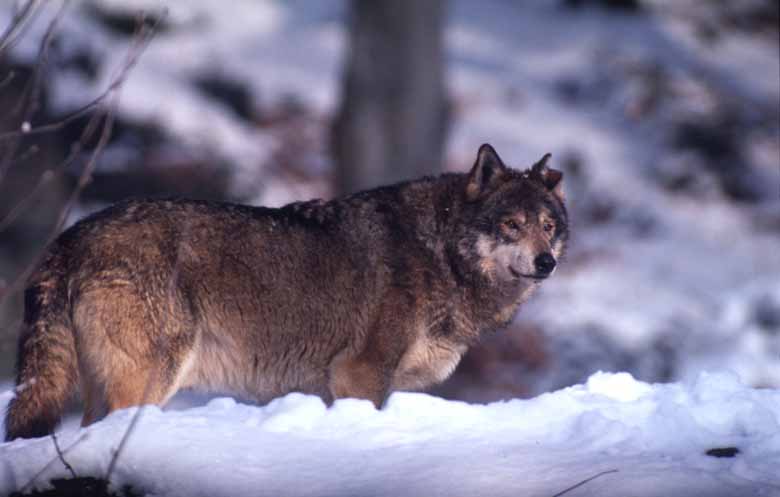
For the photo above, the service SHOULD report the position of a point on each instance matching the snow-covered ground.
(648, 440)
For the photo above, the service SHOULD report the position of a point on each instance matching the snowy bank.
(654, 439)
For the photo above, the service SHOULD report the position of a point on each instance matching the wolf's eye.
(512, 225)
(548, 227)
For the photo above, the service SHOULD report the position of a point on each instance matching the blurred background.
(663, 114)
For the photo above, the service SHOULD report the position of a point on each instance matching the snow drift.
(647, 439)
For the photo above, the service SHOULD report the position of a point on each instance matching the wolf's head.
(515, 225)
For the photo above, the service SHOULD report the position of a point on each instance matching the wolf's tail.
(46, 368)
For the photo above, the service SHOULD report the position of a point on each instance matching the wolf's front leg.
(368, 374)
(359, 378)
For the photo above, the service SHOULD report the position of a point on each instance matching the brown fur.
(355, 297)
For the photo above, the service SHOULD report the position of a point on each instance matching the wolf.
(358, 296)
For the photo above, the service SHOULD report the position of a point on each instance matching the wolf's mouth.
(518, 274)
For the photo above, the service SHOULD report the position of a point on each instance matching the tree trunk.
(393, 114)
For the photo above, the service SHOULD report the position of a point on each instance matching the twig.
(142, 37)
(75, 150)
(30, 100)
(62, 456)
(19, 24)
(89, 167)
(20, 207)
(130, 428)
(583, 482)
(141, 40)
(37, 475)
(41, 65)
(58, 125)
(7, 79)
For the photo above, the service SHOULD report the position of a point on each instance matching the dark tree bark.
(393, 114)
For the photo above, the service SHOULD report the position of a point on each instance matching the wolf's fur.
(354, 297)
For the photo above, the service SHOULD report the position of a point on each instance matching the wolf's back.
(46, 369)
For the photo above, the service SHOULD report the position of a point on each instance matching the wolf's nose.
(545, 263)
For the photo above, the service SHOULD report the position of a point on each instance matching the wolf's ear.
(550, 178)
(487, 169)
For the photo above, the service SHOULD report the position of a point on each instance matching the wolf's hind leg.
(130, 356)
(126, 387)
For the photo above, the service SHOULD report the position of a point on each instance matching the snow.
(653, 436)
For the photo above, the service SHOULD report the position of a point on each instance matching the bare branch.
(61, 456)
(30, 99)
(20, 207)
(58, 125)
(105, 108)
(7, 79)
(141, 40)
(75, 150)
(130, 428)
(37, 475)
(41, 66)
(583, 482)
(19, 24)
